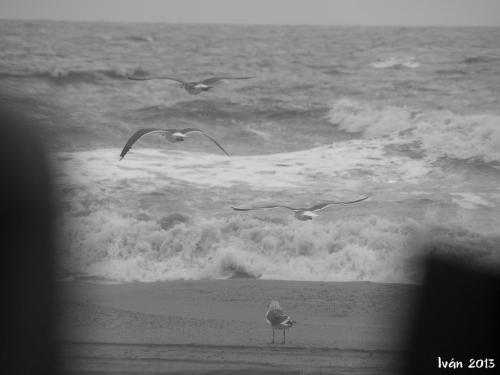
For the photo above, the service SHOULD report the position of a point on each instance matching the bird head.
(274, 305)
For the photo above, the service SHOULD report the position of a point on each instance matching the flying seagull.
(172, 135)
(278, 320)
(194, 88)
(301, 213)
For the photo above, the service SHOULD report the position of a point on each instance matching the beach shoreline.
(210, 326)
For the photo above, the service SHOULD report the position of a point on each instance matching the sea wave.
(438, 133)
(64, 77)
(127, 220)
(357, 117)
(396, 62)
(451, 72)
(480, 60)
(140, 38)
(108, 245)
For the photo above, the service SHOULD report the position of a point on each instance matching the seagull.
(172, 135)
(194, 88)
(301, 213)
(278, 320)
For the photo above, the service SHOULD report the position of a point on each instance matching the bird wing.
(261, 207)
(211, 81)
(135, 137)
(286, 321)
(323, 205)
(278, 318)
(194, 130)
(147, 78)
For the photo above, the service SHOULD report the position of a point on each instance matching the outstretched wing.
(135, 137)
(193, 130)
(148, 78)
(213, 80)
(323, 205)
(261, 207)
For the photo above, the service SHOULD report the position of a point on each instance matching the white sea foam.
(126, 249)
(372, 248)
(344, 164)
(437, 133)
(460, 137)
(396, 62)
(470, 200)
(105, 235)
(357, 117)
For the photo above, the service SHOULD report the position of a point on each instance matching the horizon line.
(253, 24)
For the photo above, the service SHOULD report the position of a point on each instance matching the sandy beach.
(218, 326)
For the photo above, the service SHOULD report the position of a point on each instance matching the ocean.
(408, 116)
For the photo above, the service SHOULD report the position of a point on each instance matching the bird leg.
(283, 336)
(272, 342)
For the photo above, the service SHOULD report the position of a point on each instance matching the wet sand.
(219, 326)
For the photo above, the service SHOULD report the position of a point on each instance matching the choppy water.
(410, 116)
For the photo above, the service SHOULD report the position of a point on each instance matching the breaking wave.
(396, 62)
(437, 133)
(107, 245)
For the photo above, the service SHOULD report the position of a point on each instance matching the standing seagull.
(194, 88)
(278, 320)
(301, 213)
(172, 135)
